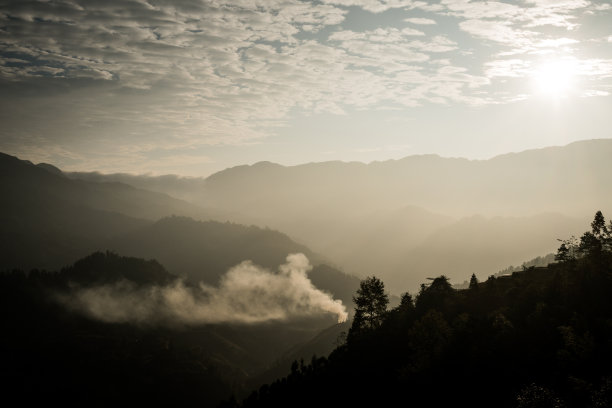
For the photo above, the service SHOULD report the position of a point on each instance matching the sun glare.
(555, 78)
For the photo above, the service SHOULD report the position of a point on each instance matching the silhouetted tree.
(406, 302)
(438, 295)
(563, 253)
(568, 249)
(473, 282)
(589, 244)
(370, 304)
(595, 241)
(598, 226)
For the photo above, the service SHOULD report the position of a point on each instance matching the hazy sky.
(191, 87)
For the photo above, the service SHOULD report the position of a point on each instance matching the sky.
(192, 87)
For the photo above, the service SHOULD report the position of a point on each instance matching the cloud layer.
(159, 79)
(246, 294)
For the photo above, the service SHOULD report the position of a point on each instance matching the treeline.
(538, 338)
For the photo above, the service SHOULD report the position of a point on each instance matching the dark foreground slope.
(56, 356)
(538, 338)
(54, 353)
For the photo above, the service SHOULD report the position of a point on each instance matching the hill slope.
(202, 251)
(538, 338)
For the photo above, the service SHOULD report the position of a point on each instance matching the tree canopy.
(370, 305)
(591, 243)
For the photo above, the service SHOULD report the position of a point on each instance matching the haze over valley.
(412, 218)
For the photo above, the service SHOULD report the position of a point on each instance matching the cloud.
(375, 6)
(594, 67)
(188, 56)
(554, 13)
(498, 31)
(420, 21)
(556, 42)
(590, 93)
(136, 78)
(532, 13)
(514, 68)
(482, 10)
(130, 78)
(246, 294)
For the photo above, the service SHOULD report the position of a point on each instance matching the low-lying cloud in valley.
(247, 293)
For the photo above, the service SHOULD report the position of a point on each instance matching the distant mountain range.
(408, 219)
(49, 221)
(564, 179)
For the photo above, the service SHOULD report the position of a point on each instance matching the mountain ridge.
(366, 217)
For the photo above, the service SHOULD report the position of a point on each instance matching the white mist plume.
(247, 293)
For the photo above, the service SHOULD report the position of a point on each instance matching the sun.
(555, 78)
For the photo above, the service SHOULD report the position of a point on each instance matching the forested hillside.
(83, 336)
(538, 338)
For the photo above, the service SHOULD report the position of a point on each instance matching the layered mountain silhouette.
(390, 218)
(402, 220)
(50, 220)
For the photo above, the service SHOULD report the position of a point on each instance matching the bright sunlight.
(555, 78)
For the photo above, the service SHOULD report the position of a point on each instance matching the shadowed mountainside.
(202, 251)
(49, 220)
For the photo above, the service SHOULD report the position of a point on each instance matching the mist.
(416, 217)
(246, 294)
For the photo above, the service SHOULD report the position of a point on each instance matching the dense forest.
(538, 338)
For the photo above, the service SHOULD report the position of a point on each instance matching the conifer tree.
(473, 282)
(371, 304)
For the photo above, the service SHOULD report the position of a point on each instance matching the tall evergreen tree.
(473, 282)
(370, 304)
(598, 225)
